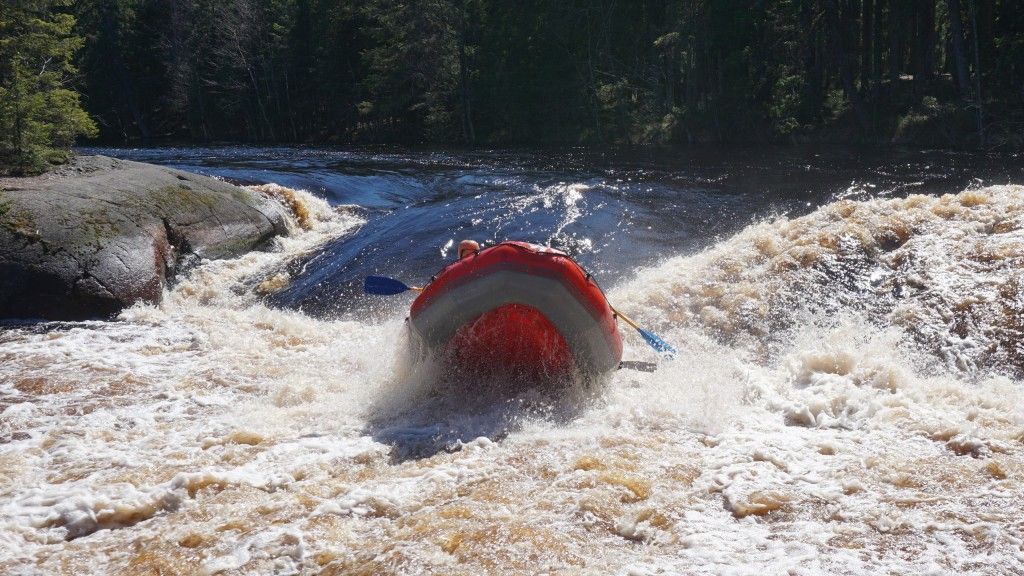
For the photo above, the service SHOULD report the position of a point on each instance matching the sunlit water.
(848, 396)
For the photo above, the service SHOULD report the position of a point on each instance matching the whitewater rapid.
(847, 399)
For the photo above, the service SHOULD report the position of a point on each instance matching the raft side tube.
(517, 273)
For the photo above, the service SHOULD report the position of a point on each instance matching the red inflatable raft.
(520, 309)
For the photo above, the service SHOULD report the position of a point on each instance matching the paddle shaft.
(625, 318)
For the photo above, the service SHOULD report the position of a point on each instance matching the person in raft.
(468, 248)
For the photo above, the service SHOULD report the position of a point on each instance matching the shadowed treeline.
(934, 73)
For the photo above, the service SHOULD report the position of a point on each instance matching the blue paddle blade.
(383, 286)
(657, 343)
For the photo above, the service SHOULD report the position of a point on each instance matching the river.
(848, 397)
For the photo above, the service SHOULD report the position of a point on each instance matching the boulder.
(100, 234)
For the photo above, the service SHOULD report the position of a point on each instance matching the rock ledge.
(100, 234)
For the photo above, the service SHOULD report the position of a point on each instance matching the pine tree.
(414, 66)
(40, 117)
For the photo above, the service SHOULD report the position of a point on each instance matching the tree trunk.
(877, 48)
(842, 60)
(956, 32)
(592, 82)
(17, 138)
(922, 49)
(254, 82)
(467, 119)
(977, 74)
(986, 35)
(896, 35)
(812, 61)
(867, 58)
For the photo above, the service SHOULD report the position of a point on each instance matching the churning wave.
(945, 270)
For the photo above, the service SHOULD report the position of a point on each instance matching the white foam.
(812, 423)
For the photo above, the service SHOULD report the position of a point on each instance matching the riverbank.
(98, 234)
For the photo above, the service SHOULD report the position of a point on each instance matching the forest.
(933, 73)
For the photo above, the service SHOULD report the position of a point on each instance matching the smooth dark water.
(614, 210)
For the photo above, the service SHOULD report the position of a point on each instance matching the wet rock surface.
(100, 234)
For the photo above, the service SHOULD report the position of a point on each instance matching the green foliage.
(837, 103)
(662, 130)
(932, 123)
(786, 104)
(529, 71)
(414, 65)
(40, 117)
